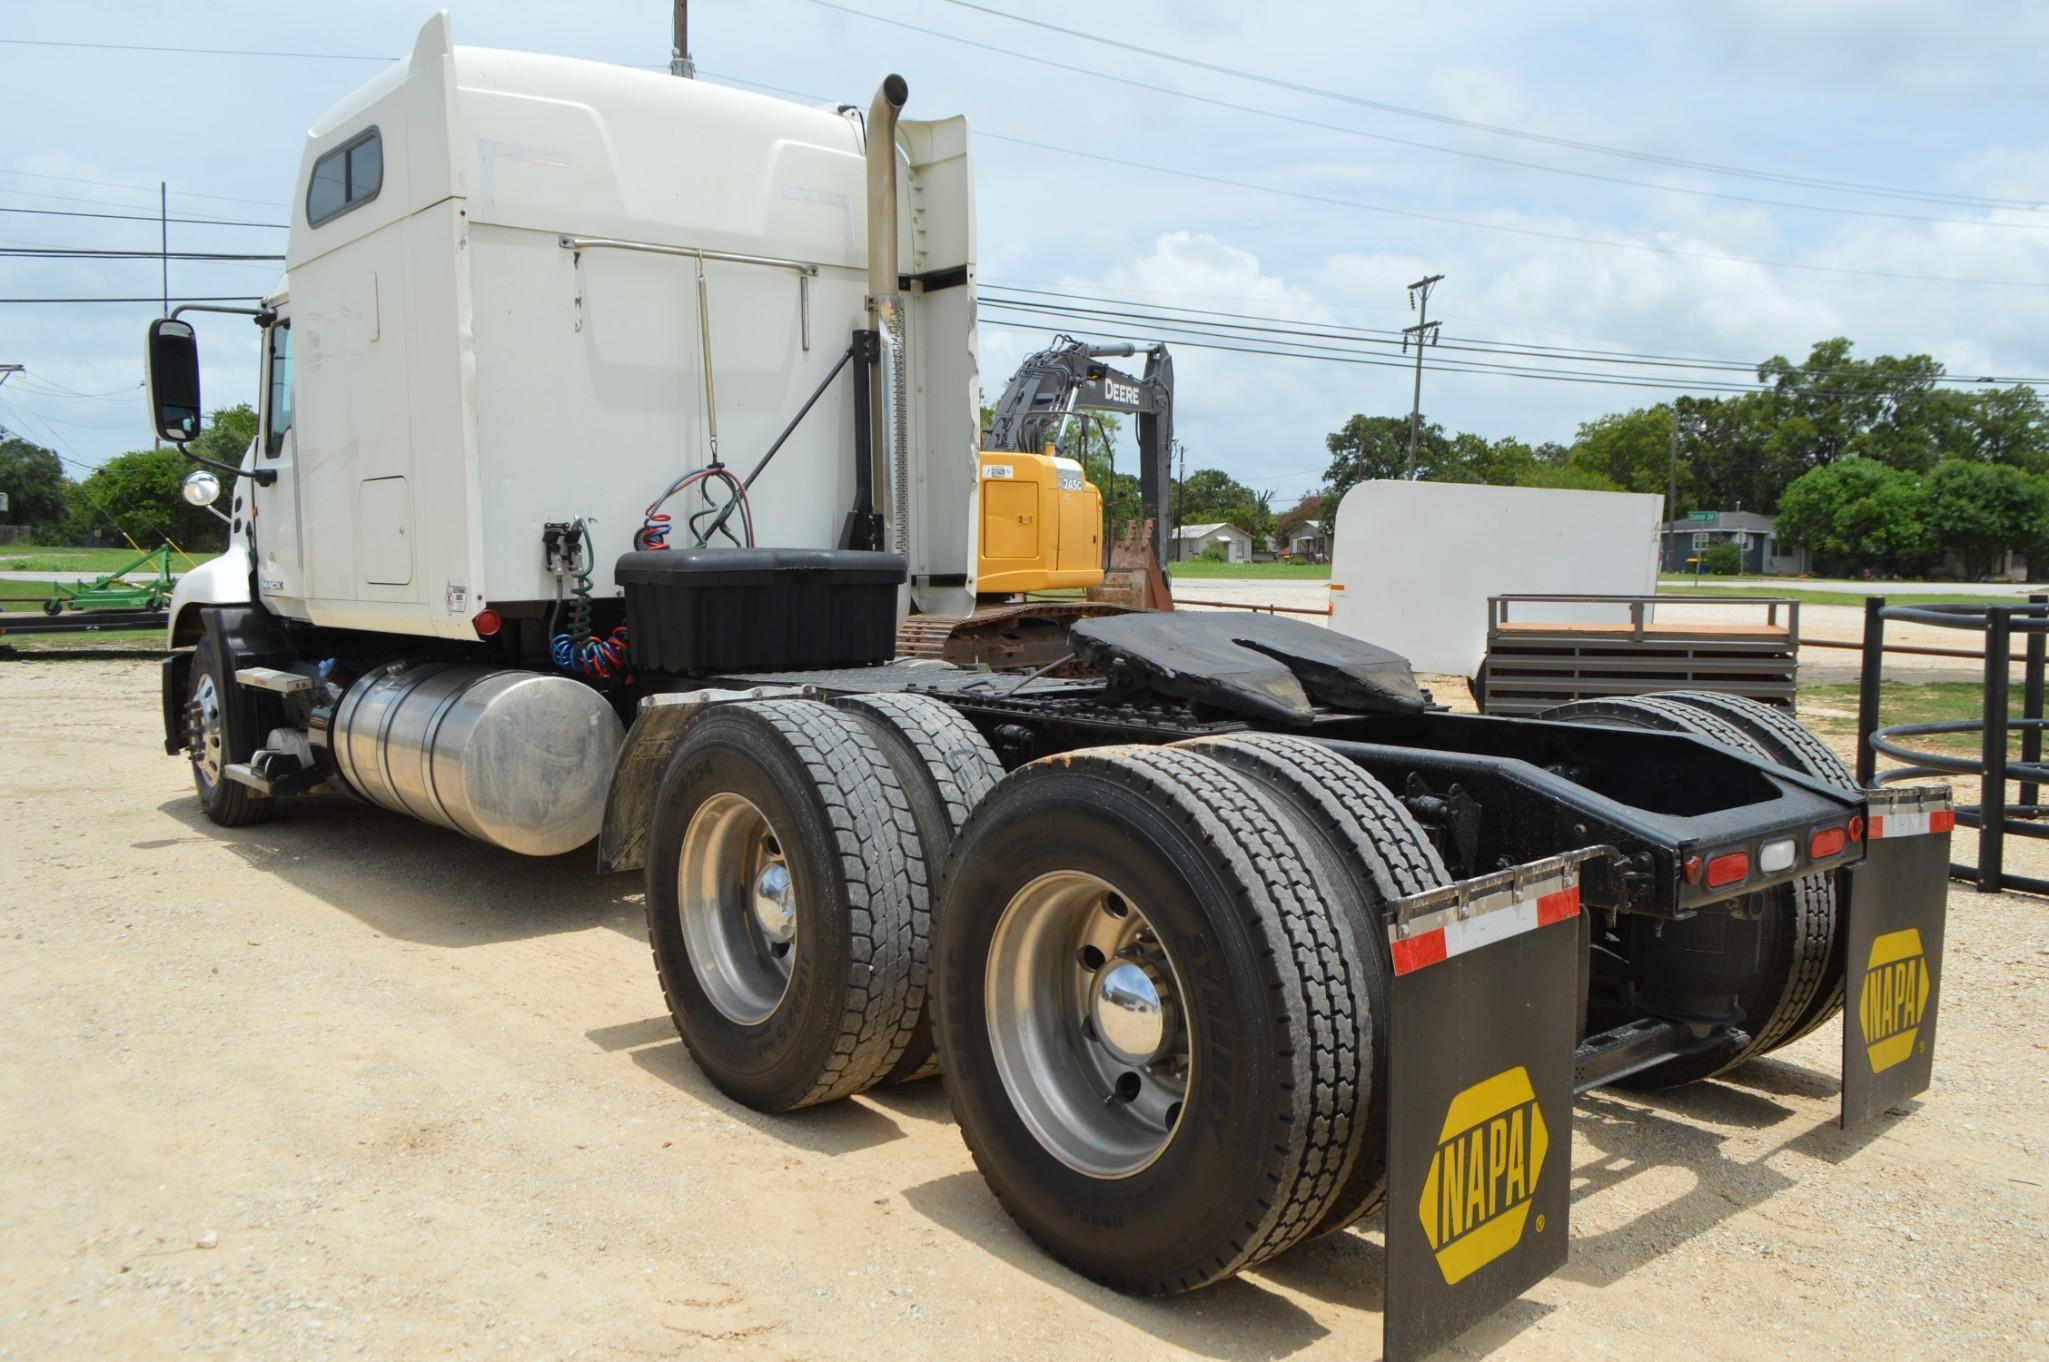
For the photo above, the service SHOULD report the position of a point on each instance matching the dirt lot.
(350, 1086)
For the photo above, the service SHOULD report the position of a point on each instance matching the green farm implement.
(114, 591)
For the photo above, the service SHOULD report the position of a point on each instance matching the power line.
(75, 253)
(189, 51)
(152, 298)
(1299, 121)
(1373, 335)
(138, 188)
(1607, 242)
(140, 217)
(1442, 219)
(1069, 34)
(1207, 336)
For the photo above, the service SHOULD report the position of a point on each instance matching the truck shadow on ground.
(1236, 1320)
(423, 884)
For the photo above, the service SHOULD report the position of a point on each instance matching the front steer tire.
(1268, 985)
(827, 807)
(220, 728)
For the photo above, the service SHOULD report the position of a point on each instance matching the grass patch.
(1684, 587)
(84, 562)
(1198, 570)
(1831, 711)
(113, 640)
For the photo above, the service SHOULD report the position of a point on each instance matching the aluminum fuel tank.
(519, 759)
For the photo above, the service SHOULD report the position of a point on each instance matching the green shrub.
(1724, 559)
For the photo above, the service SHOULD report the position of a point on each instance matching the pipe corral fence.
(1994, 816)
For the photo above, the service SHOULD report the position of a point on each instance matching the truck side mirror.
(172, 365)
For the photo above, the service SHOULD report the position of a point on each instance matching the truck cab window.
(279, 407)
(345, 177)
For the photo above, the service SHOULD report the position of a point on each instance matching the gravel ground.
(349, 1086)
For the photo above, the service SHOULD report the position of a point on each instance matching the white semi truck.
(612, 424)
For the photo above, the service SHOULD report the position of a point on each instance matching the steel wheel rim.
(208, 733)
(738, 908)
(1087, 1024)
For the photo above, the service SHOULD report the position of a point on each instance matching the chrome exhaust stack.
(889, 445)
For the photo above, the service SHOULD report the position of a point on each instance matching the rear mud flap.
(1483, 1021)
(1898, 900)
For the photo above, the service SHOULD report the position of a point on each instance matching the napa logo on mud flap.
(1476, 1200)
(1894, 998)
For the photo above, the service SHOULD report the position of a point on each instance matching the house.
(1763, 554)
(1308, 543)
(1193, 541)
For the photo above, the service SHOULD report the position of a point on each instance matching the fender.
(220, 581)
(637, 773)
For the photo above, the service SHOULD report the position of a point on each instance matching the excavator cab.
(1042, 524)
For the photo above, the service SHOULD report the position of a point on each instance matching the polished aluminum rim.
(738, 907)
(208, 736)
(1087, 1023)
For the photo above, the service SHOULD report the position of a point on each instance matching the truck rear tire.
(1151, 1023)
(945, 766)
(1791, 745)
(1797, 921)
(217, 732)
(786, 903)
(1372, 852)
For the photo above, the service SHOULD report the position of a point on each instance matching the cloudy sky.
(1314, 200)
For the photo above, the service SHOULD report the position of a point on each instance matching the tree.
(1858, 513)
(1631, 451)
(1369, 447)
(140, 492)
(33, 478)
(1982, 510)
(1210, 494)
(1308, 508)
(1567, 477)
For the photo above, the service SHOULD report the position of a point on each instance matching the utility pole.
(1424, 331)
(164, 237)
(7, 371)
(679, 52)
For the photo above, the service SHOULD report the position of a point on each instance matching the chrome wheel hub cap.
(737, 904)
(1087, 1024)
(208, 733)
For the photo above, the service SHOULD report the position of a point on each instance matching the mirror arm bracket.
(262, 477)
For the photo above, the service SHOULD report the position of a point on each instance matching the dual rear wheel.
(1156, 969)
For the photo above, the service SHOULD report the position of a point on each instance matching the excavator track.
(1020, 637)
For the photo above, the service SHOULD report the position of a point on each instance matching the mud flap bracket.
(1483, 1017)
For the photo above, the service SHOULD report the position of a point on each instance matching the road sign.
(1704, 517)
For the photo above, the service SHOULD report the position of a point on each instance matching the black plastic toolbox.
(697, 611)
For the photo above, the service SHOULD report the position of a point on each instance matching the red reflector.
(1730, 867)
(1694, 865)
(1415, 952)
(1826, 843)
(1944, 820)
(487, 623)
(1558, 907)
(1857, 828)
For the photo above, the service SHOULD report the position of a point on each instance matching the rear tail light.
(1828, 842)
(1857, 828)
(1731, 867)
(1773, 857)
(1694, 865)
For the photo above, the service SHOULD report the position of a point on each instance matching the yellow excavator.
(1042, 525)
